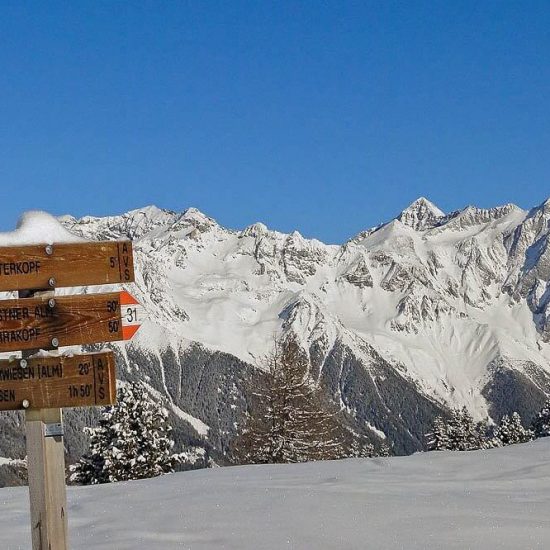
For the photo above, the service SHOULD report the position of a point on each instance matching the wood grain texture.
(30, 323)
(47, 490)
(46, 470)
(73, 264)
(86, 380)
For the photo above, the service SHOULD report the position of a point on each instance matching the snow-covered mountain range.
(423, 313)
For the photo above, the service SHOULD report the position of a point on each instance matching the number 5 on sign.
(132, 314)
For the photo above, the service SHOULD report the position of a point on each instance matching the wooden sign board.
(48, 323)
(61, 265)
(52, 382)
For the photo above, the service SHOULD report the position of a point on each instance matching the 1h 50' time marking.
(84, 390)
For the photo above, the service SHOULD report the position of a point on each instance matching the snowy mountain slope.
(495, 499)
(425, 312)
(456, 306)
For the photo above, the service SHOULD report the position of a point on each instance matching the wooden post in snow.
(46, 469)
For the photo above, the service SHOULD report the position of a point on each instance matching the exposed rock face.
(358, 274)
(421, 214)
(401, 322)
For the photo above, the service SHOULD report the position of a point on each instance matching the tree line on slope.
(462, 433)
(290, 419)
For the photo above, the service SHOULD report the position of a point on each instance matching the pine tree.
(455, 432)
(463, 432)
(132, 441)
(486, 432)
(360, 447)
(438, 438)
(511, 430)
(460, 433)
(502, 431)
(541, 423)
(290, 421)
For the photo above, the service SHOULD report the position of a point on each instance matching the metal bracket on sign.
(53, 430)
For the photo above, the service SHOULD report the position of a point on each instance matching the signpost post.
(46, 470)
(42, 384)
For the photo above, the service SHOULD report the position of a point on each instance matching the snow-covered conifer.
(511, 430)
(132, 441)
(438, 438)
(459, 433)
(361, 447)
(541, 423)
(463, 432)
(486, 435)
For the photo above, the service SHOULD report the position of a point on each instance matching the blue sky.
(326, 117)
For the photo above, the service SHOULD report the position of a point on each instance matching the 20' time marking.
(84, 369)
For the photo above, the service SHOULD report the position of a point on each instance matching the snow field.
(496, 499)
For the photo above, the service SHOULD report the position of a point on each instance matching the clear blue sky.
(326, 117)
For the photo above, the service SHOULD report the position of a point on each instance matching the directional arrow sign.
(50, 382)
(31, 323)
(60, 265)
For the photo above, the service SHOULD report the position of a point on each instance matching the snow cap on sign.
(38, 227)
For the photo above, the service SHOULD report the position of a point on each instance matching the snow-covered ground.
(495, 499)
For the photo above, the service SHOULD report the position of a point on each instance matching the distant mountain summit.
(425, 312)
(421, 214)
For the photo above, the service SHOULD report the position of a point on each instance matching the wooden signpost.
(57, 381)
(44, 383)
(47, 322)
(74, 264)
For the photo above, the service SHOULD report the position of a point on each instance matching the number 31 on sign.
(132, 313)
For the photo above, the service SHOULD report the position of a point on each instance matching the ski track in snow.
(496, 499)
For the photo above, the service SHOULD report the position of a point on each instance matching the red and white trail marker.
(132, 314)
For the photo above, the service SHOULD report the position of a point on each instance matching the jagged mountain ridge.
(453, 308)
(425, 312)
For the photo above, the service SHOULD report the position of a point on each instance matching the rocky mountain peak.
(421, 214)
(195, 218)
(131, 225)
(542, 210)
(255, 230)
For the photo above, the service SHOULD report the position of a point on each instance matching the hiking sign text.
(46, 323)
(62, 265)
(62, 381)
